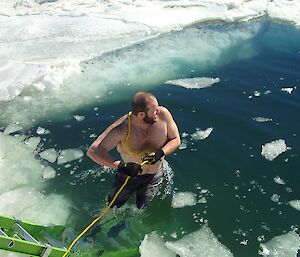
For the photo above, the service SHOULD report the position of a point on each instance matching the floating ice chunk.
(11, 129)
(183, 145)
(201, 134)
(20, 183)
(281, 246)
(202, 200)
(194, 83)
(69, 155)
(201, 243)
(278, 180)
(275, 198)
(244, 242)
(153, 245)
(257, 93)
(42, 131)
(261, 119)
(264, 250)
(183, 199)
(295, 204)
(50, 155)
(287, 89)
(271, 150)
(29, 204)
(49, 173)
(18, 173)
(33, 142)
(184, 134)
(79, 118)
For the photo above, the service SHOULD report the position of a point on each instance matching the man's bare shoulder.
(164, 113)
(120, 125)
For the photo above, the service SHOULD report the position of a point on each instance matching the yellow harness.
(141, 155)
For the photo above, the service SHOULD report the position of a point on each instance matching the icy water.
(239, 194)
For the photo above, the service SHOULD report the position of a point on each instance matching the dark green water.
(229, 164)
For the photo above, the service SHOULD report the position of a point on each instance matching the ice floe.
(273, 149)
(289, 90)
(295, 204)
(285, 245)
(69, 155)
(201, 243)
(194, 83)
(49, 154)
(201, 134)
(261, 119)
(21, 185)
(153, 245)
(182, 199)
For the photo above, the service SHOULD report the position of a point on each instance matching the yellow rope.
(127, 137)
(100, 216)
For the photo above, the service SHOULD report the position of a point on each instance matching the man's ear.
(141, 115)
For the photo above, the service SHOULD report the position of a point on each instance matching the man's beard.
(148, 120)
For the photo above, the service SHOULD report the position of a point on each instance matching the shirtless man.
(147, 133)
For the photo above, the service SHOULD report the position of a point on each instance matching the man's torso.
(143, 141)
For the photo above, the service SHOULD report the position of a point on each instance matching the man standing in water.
(147, 133)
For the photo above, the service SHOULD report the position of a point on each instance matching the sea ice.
(21, 186)
(49, 173)
(182, 199)
(273, 149)
(49, 154)
(69, 155)
(262, 119)
(11, 129)
(201, 243)
(194, 83)
(153, 245)
(201, 134)
(295, 204)
(281, 246)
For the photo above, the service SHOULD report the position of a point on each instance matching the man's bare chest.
(148, 140)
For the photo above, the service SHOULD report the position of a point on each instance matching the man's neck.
(140, 123)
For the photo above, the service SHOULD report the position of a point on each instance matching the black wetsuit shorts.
(146, 187)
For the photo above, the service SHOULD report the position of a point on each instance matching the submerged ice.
(21, 187)
(200, 243)
(86, 83)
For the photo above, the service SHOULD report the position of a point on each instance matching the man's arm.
(109, 139)
(173, 134)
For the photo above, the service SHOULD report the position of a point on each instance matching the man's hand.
(130, 169)
(154, 157)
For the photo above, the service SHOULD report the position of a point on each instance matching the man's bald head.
(140, 101)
